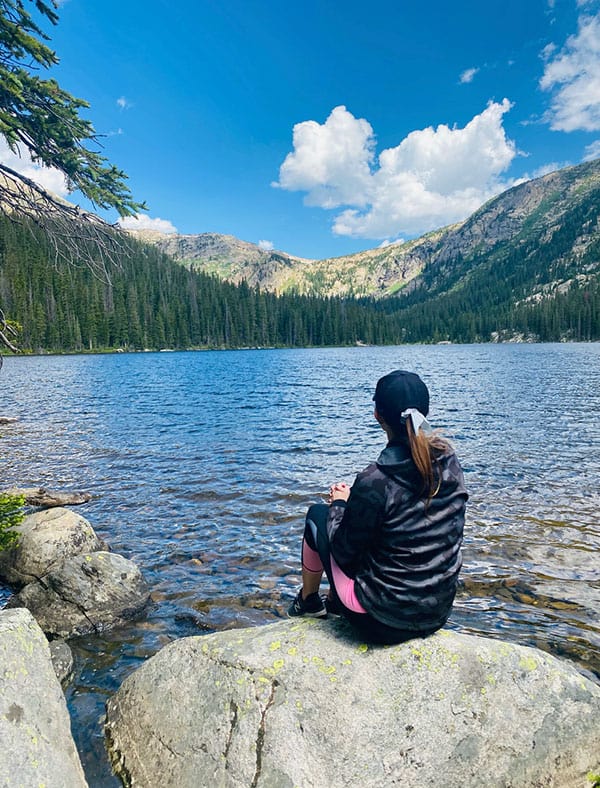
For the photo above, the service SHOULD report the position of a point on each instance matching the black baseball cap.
(398, 391)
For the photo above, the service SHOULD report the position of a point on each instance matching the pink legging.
(344, 585)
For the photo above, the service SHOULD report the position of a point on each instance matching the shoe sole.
(307, 615)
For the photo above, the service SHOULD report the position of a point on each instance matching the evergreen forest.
(151, 302)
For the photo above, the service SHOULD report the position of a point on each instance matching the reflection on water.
(202, 464)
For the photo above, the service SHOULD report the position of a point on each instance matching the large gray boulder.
(36, 744)
(303, 703)
(46, 538)
(86, 593)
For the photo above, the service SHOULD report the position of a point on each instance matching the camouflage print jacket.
(403, 554)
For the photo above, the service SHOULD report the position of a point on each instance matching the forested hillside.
(541, 280)
(526, 266)
(151, 302)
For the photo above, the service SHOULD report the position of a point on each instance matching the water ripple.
(202, 465)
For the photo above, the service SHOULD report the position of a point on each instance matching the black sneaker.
(311, 606)
(334, 606)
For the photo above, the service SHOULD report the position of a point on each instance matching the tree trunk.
(38, 496)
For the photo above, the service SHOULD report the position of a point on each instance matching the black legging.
(315, 534)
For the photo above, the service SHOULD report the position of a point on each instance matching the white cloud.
(387, 242)
(266, 246)
(142, 222)
(574, 76)
(592, 151)
(433, 177)
(123, 103)
(332, 162)
(546, 169)
(468, 75)
(48, 178)
(548, 51)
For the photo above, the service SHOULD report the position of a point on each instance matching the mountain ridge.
(534, 207)
(376, 271)
(524, 267)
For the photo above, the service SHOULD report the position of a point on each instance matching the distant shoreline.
(361, 346)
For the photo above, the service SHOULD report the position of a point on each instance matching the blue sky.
(321, 128)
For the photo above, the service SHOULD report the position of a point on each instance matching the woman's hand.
(339, 491)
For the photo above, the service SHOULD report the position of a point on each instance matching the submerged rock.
(85, 593)
(303, 703)
(62, 659)
(37, 747)
(46, 538)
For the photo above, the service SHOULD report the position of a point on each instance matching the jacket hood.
(396, 461)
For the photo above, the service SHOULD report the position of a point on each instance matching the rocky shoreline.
(67, 576)
(304, 703)
(35, 729)
(296, 703)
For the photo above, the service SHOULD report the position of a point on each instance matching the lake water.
(202, 464)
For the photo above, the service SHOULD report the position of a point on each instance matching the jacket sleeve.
(352, 526)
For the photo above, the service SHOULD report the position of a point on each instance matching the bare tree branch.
(5, 330)
(39, 496)
(77, 237)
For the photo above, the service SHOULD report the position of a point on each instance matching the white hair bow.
(417, 419)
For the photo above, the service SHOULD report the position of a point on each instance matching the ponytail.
(425, 449)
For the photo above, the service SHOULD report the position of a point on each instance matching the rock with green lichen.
(46, 538)
(304, 703)
(37, 746)
(86, 593)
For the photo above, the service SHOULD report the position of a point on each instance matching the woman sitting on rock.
(390, 545)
